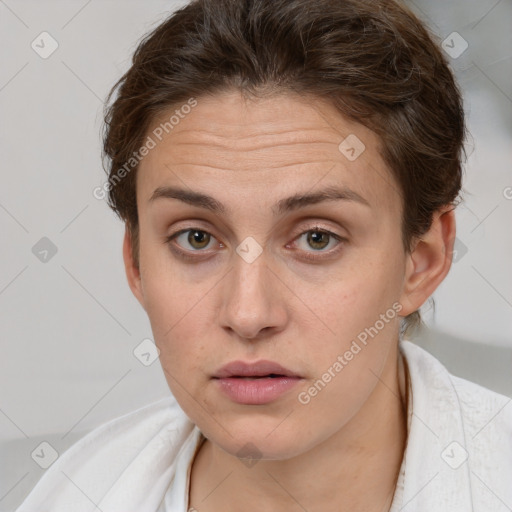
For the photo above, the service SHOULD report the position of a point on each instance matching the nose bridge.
(250, 302)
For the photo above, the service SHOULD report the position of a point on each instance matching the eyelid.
(316, 226)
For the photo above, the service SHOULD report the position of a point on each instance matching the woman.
(287, 173)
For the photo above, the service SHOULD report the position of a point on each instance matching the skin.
(343, 449)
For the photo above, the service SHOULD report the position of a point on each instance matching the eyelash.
(307, 255)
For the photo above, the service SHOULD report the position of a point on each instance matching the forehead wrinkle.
(214, 134)
(257, 140)
(258, 147)
(292, 164)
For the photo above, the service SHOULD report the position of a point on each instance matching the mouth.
(254, 370)
(255, 383)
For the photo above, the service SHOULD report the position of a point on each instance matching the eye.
(196, 239)
(317, 239)
(320, 241)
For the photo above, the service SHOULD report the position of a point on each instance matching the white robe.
(458, 455)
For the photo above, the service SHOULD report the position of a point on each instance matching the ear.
(131, 269)
(429, 261)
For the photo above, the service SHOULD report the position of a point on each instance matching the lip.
(256, 369)
(251, 383)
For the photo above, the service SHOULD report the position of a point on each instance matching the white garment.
(141, 462)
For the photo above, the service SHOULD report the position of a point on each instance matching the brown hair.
(372, 59)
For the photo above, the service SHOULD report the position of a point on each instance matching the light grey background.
(68, 326)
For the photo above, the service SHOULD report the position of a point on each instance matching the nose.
(252, 300)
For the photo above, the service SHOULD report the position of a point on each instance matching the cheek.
(361, 315)
(178, 324)
(356, 299)
(357, 329)
(177, 311)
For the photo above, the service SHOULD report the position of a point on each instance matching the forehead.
(248, 149)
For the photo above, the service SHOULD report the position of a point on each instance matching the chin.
(261, 442)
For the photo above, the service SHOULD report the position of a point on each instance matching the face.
(263, 239)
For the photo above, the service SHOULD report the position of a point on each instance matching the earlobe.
(429, 262)
(131, 269)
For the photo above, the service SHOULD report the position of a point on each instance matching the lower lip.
(256, 391)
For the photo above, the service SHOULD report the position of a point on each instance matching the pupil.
(198, 238)
(318, 238)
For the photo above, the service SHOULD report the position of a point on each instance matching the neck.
(355, 469)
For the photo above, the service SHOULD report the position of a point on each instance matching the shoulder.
(487, 422)
(477, 403)
(120, 438)
(118, 457)
(460, 435)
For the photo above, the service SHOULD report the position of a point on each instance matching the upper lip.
(256, 369)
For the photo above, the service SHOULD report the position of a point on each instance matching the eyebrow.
(288, 204)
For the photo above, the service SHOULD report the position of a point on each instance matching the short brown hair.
(372, 59)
